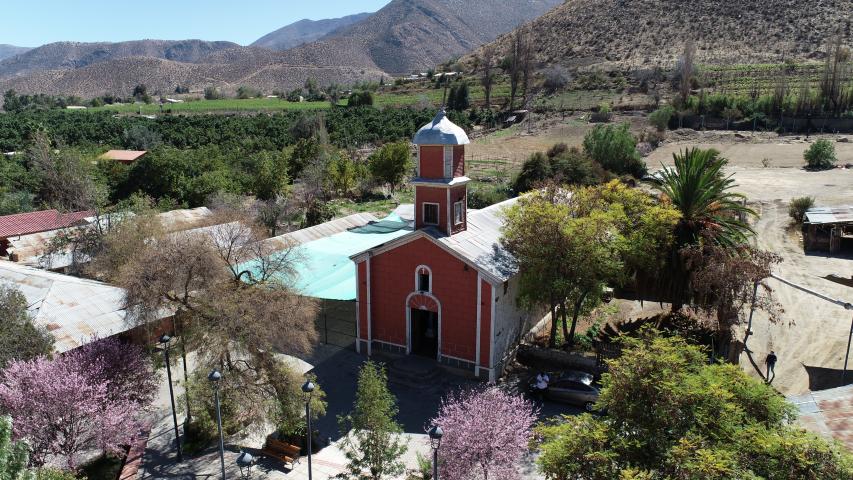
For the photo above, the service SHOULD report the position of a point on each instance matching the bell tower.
(441, 194)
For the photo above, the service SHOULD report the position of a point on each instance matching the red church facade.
(447, 290)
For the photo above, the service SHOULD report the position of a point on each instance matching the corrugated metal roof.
(824, 215)
(184, 219)
(33, 222)
(828, 413)
(317, 232)
(29, 249)
(124, 155)
(441, 131)
(72, 309)
(480, 243)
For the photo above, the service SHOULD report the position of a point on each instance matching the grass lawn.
(378, 206)
(579, 99)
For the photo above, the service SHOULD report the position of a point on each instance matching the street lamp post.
(165, 341)
(214, 377)
(244, 462)
(308, 389)
(435, 435)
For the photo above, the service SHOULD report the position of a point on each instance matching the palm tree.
(710, 210)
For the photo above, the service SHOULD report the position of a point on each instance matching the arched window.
(423, 279)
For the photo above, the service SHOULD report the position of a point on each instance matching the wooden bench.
(281, 451)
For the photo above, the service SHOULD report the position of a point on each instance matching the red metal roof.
(34, 222)
(124, 155)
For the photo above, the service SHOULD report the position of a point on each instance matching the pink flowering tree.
(86, 398)
(486, 433)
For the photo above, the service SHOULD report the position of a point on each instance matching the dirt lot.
(812, 338)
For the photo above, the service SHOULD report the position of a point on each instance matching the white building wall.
(512, 322)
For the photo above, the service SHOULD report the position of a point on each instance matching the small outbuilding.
(124, 156)
(14, 226)
(828, 229)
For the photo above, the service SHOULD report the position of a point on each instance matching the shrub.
(603, 114)
(295, 95)
(660, 118)
(481, 195)
(615, 149)
(360, 99)
(555, 78)
(798, 207)
(820, 155)
(212, 93)
(244, 92)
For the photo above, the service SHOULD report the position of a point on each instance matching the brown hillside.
(630, 33)
(305, 31)
(410, 35)
(63, 55)
(120, 76)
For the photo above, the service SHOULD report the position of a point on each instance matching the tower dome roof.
(441, 131)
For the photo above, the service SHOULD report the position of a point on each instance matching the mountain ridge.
(7, 51)
(70, 55)
(305, 31)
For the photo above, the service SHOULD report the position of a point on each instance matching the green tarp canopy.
(323, 267)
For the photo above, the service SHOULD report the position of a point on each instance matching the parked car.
(572, 387)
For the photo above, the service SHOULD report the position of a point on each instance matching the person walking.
(771, 366)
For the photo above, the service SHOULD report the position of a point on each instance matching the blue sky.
(36, 22)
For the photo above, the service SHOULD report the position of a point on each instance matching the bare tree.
(233, 300)
(836, 71)
(526, 66)
(686, 70)
(487, 75)
(516, 66)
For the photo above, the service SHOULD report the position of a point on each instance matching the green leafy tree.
(820, 155)
(560, 164)
(212, 93)
(710, 210)
(343, 174)
(615, 149)
(271, 178)
(672, 415)
(569, 245)
(391, 164)
(660, 118)
(20, 339)
(374, 445)
(140, 137)
(13, 455)
(360, 99)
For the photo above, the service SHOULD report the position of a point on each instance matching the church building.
(446, 290)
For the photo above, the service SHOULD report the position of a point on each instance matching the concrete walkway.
(336, 370)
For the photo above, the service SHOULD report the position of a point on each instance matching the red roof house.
(446, 291)
(124, 156)
(34, 222)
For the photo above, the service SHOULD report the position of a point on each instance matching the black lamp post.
(214, 377)
(244, 462)
(435, 435)
(165, 341)
(308, 389)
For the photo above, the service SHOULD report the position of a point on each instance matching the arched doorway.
(423, 312)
